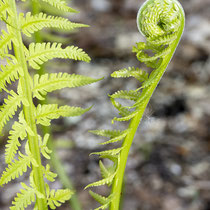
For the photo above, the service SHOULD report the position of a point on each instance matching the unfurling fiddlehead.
(162, 23)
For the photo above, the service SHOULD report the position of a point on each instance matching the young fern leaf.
(51, 82)
(40, 53)
(9, 107)
(9, 73)
(24, 198)
(16, 169)
(19, 130)
(6, 39)
(33, 23)
(60, 5)
(162, 23)
(45, 113)
(55, 198)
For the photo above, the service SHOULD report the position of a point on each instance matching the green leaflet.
(45, 113)
(60, 5)
(32, 23)
(51, 82)
(19, 130)
(55, 198)
(15, 169)
(9, 107)
(24, 198)
(39, 53)
(6, 39)
(9, 73)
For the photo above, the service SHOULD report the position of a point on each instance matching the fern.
(24, 198)
(41, 52)
(18, 59)
(55, 198)
(31, 24)
(51, 82)
(61, 5)
(15, 169)
(9, 73)
(162, 23)
(9, 107)
(45, 113)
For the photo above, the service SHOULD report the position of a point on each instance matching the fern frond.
(39, 53)
(45, 113)
(102, 200)
(4, 9)
(60, 5)
(44, 148)
(56, 198)
(19, 130)
(24, 198)
(107, 181)
(108, 152)
(6, 39)
(49, 175)
(32, 23)
(50, 82)
(9, 107)
(129, 95)
(9, 73)
(126, 118)
(137, 73)
(115, 135)
(15, 169)
(107, 133)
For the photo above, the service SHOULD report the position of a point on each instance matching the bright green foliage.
(9, 107)
(9, 73)
(15, 169)
(55, 198)
(19, 130)
(24, 198)
(162, 23)
(51, 82)
(61, 5)
(18, 58)
(39, 53)
(45, 113)
(34, 23)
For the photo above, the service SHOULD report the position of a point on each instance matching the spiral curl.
(159, 18)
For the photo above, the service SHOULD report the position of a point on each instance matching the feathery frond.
(55, 198)
(9, 107)
(51, 82)
(24, 198)
(19, 130)
(60, 5)
(33, 23)
(9, 73)
(45, 113)
(39, 53)
(15, 169)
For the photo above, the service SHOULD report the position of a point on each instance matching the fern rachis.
(162, 23)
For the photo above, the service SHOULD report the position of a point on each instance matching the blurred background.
(169, 162)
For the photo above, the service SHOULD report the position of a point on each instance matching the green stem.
(29, 112)
(118, 180)
(56, 163)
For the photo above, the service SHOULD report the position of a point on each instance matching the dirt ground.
(169, 162)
